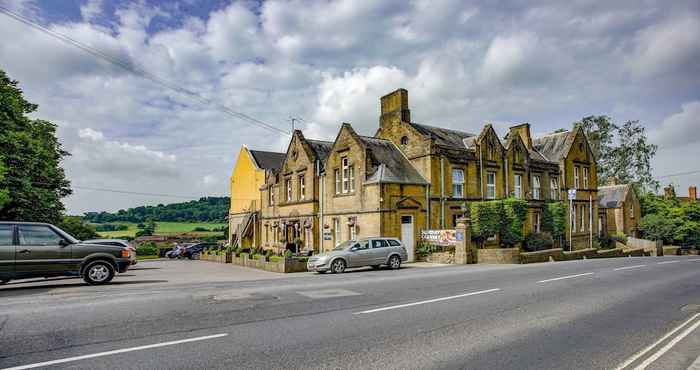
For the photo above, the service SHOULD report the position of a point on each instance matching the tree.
(631, 159)
(31, 156)
(600, 131)
(4, 193)
(75, 226)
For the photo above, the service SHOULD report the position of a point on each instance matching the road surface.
(591, 314)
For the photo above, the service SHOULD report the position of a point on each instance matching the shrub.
(423, 249)
(619, 237)
(147, 249)
(200, 229)
(512, 216)
(538, 242)
(275, 258)
(259, 257)
(554, 219)
(605, 242)
(287, 253)
(303, 259)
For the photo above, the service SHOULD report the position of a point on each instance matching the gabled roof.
(268, 160)
(389, 165)
(444, 137)
(321, 148)
(554, 146)
(612, 196)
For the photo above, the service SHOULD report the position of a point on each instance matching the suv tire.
(3, 282)
(98, 272)
(394, 262)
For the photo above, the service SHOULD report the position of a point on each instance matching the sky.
(465, 64)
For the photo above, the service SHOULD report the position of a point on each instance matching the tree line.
(207, 209)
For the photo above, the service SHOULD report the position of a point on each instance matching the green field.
(164, 228)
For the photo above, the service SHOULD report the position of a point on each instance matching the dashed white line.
(115, 352)
(428, 301)
(628, 267)
(694, 259)
(651, 346)
(565, 277)
(667, 262)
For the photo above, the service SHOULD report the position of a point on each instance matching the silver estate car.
(373, 252)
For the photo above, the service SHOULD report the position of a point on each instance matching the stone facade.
(622, 209)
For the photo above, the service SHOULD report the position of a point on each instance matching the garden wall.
(281, 265)
(671, 250)
(498, 255)
(654, 248)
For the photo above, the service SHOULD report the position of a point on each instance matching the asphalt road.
(592, 314)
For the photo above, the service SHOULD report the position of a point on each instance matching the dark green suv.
(30, 250)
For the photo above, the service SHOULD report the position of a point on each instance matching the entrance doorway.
(407, 235)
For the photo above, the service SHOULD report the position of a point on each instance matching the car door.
(380, 251)
(7, 251)
(41, 249)
(360, 254)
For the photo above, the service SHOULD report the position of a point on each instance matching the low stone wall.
(283, 265)
(498, 255)
(652, 247)
(547, 255)
(220, 258)
(671, 250)
(439, 257)
(580, 254)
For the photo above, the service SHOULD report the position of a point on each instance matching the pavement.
(633, 313)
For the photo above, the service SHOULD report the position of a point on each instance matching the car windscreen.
(344, 245)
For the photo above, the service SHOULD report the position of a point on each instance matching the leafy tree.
(209, 209)
(4, 193)
(31, 156)
(514, 213)
(669, 220)
(554, 219)
(75, 226)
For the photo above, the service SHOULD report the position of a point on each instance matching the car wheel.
(195, 256)
(3, 282)
(338, 266)
(98, 272)
(377, 267)
(394, 262)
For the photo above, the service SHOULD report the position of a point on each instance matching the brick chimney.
(669, 192)
(524, 131)
(693, 193)
(395, 107)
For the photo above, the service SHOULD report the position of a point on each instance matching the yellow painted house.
(247, 177)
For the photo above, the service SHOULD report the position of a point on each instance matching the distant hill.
(209, 209)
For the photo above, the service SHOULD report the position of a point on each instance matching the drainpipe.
(427, 206)
(321, 192)
(481, 173)
(442, 192)
(506, 177)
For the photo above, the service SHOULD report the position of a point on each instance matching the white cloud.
(91, 10)
(680, 128)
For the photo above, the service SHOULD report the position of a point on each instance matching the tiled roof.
(389, 165)
(443, 136)
(553, 146)
(268, 160)
(321, 148)
(612, 196)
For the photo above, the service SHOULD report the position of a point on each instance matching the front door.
(407, 236)
(40, 249)
(7, 251)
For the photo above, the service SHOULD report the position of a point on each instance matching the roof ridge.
(443, 128)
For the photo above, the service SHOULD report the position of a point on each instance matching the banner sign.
(439, 237)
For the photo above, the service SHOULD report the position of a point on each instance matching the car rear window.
(394, 243)
(6, 235)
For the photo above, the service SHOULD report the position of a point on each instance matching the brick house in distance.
(620, 209)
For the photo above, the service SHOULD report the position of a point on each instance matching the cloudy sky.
(327, 62)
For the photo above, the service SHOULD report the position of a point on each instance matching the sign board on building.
(327, 235)
(439, 237)
(572, 194)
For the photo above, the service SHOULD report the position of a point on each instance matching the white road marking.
(694, 259)
(667, 262)
(628, 267)
(647, 349)
(668, 346)
(565, 277)
(695, 365)
(429, 301)
(328, 293)
(115, 352)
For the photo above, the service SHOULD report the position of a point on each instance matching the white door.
(407, 236)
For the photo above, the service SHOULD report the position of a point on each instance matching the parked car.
(114, 242)
(194, 251)
(373, 252)
(31, 250)
(176, 252)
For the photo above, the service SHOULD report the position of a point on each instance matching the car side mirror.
(63, 243)
(354, 249)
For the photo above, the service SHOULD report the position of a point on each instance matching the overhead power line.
(678, 174)
(137, 70)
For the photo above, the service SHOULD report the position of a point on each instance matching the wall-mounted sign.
(327, 235)
(439, 237)
(572, 194)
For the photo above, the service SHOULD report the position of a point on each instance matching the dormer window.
(404, 140)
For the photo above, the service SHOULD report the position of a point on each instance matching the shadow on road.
(22, 286)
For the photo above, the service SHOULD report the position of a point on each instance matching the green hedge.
(554, 219)
(505, 217)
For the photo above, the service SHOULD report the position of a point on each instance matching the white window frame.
(345, 174)
(458, 184)
(536, 187)
(302, 187)
(577, 177)
(574, 208)
(585, 177)
(582, 218)
(518, 186)
(490, 186)
(351, 170)
(537, 224)
(554, 188)
(352, 229)
(288, 186)
(272, 196)
(336, 230)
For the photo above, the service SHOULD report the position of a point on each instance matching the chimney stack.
(395, 107)
(669, 192)
(693, 193)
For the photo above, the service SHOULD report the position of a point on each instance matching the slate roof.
(389, 165)
(443, 136)
(553, 146)
(321, 148)
(268, 160)
(612, 196)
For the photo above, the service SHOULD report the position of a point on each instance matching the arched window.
(404, 140)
